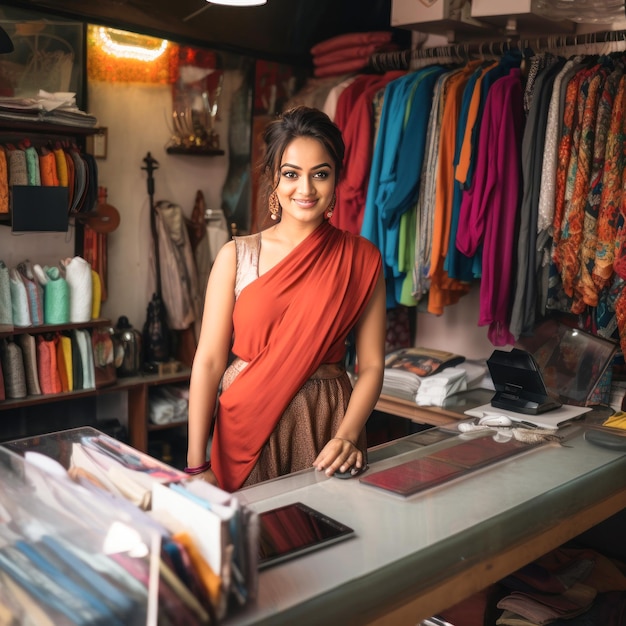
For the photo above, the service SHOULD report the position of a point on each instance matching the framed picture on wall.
(48, 55)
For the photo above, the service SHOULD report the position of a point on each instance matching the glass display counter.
(93, 531)
(411, 557)
(66, 555)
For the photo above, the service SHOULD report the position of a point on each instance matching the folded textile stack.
(32, 295)
(432, 389)
(53, 108)
(562, 585)
(44, 364)
(436, 388)
(169, 403)
(407, 368)
(55, 164)
(528, 609)
(396, 383)
(348, 53)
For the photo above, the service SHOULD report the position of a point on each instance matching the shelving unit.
(7, 331)
(37, 415)
(44, 329)
(138, 388)
(41, 133)
(18, 127)
(34, 415)
(24, 417)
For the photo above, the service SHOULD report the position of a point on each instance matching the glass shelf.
(195, 151)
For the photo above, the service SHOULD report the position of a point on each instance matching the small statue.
(156, 334)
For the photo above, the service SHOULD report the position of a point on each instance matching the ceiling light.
(238, 3)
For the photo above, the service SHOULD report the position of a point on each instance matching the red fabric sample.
(349, 40)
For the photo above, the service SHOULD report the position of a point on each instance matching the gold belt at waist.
(328, 370)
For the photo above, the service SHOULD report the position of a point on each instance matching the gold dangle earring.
(274, 206)
(331, 207)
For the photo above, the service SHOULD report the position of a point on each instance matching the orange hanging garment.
(444, 290)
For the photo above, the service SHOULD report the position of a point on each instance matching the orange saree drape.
(287, 323)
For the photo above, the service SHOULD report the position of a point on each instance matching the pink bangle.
(198, 470)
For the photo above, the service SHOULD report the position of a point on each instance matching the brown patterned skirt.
(309, 422)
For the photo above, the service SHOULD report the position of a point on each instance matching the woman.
(287, 298)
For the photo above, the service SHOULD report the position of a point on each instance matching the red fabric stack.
(348, 53)
(49, 377)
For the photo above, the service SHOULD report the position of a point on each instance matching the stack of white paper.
(437, 387)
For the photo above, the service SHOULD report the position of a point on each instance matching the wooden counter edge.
(479, 576)
(433, 415)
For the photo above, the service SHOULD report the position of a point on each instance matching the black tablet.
(289, 531)
(519, 383)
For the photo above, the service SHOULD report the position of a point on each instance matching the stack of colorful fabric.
(54, 164)
(46, 363)
(348, 53)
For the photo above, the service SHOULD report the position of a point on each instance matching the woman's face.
(306, 180)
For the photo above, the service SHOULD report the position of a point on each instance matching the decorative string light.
(105, 64)
(127, 45)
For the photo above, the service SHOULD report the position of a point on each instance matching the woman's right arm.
(211, 357)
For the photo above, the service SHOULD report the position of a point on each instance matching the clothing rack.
(461, 52)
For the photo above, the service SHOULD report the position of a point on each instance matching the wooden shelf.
(195, 151)
(137, 388)
(124, 382)
(154, 427)
(17, 403)
(39, 134)
(20, 127)
(121, 384)
(434, 415)
(7, 331)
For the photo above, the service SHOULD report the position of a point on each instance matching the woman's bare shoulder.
(226, 259)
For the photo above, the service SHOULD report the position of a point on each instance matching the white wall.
(136, 116)
(41, 248)
(457, 329)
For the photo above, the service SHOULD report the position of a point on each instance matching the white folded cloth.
(434, 389)
(167, 404)
(161, 411)
(79, 279)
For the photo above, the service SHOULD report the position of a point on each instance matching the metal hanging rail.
(460, 52)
